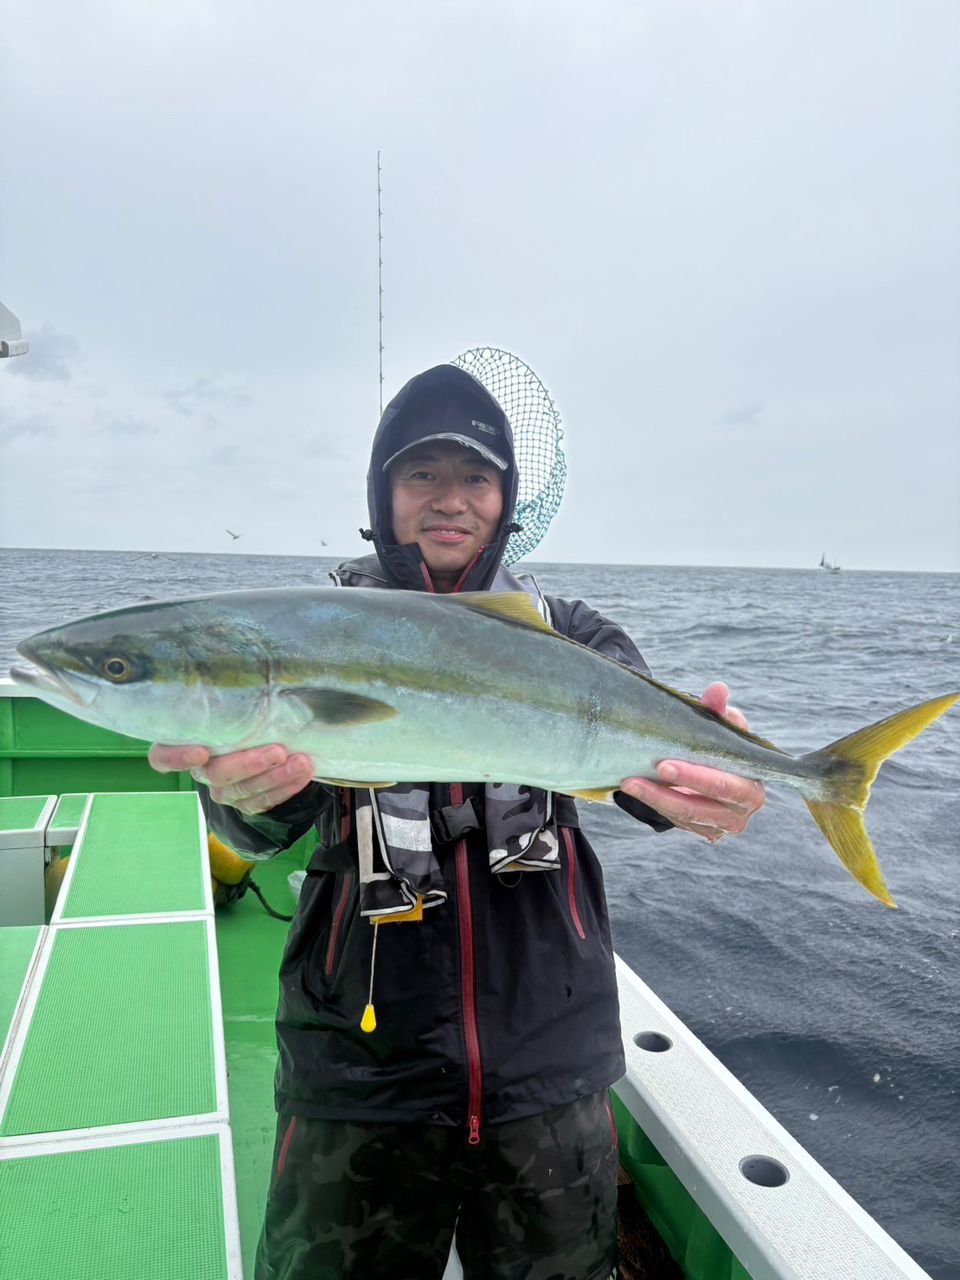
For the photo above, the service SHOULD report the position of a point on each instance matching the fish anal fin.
(336, 707)
(596, 796)
(346, 782)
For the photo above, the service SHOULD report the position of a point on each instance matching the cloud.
(225, 455)
(745, 415)
(133, 427)
(194, 400)
(30, 424)
(50, 358)
(33, 426)
(787, 220)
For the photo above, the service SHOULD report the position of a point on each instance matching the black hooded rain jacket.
(502, 1002)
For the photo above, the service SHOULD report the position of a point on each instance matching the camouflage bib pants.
(535, 1199)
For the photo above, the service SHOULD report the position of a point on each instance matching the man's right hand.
(251, 781)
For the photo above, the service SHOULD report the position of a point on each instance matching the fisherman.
(447, 1075)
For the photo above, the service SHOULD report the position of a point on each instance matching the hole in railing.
(652, 1041)
(763, 1171)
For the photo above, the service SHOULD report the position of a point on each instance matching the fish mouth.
(44, 681)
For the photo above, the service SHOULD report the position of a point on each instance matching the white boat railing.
(783, 1216)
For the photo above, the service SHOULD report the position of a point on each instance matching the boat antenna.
(380, 275)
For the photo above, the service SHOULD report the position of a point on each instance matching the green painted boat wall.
(694, 1243)
(43, 751)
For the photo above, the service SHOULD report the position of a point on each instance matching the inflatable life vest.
(231, 876)
(229, 873)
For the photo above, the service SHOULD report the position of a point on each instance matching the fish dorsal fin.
(517, 607)
(514, 606)
(697, 705)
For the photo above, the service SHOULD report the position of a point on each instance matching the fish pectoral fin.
(594, 797)
(334, 707)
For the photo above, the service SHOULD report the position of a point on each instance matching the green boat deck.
(115, 1147)
(17, 950)
(250, 944)
(136, 1074)
(141, 1210)
(138, 855)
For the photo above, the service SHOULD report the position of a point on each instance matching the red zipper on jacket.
(463, 576)
(571, 881)
(468, 981)
(428, 581)
(346, 814)
(468, 985)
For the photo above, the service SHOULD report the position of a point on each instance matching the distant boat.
(825, 564)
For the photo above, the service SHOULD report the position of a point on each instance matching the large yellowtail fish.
(385, 686)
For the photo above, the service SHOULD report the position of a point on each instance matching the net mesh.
(537, 435)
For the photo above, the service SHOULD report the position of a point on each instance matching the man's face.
(449, 500)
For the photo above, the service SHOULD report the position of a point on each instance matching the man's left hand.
(708, 802)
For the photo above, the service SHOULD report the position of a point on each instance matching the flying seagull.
(233, 535)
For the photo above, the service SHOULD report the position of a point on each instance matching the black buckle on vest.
(453, 821)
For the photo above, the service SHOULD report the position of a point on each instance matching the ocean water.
(840, 1015)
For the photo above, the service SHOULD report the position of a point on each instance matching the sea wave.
(824, 1002)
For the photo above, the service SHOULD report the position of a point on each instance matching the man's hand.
(707, 802)
(251, 781)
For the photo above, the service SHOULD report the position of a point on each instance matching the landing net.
(537, 434)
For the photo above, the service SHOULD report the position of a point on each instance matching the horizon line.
(626, 564)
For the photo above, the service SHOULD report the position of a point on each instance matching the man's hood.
(402, 564)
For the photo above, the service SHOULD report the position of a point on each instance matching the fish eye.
(117, 669)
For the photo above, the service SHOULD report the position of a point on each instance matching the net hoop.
(537, 436)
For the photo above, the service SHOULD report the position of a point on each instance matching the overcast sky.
(726, 236)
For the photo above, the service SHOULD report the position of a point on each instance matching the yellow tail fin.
(850, 766)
